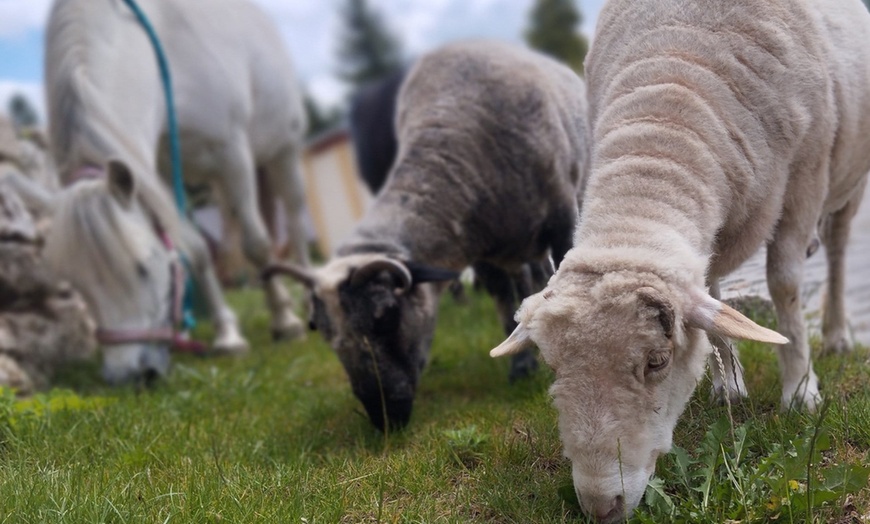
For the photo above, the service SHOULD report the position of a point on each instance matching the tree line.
(368, 50)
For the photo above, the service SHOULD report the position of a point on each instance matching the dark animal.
(492, 148)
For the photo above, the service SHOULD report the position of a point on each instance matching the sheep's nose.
(604, 509)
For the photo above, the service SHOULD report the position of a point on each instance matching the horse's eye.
(657, 361)
(142, 270)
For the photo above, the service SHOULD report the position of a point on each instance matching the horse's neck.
(97, 108)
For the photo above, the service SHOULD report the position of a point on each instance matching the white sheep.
(717, 127)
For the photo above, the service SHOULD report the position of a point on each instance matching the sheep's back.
(492, 145)
(720, 99)
(847, 27)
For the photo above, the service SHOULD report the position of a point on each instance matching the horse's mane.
(82, 129)
(90, 211)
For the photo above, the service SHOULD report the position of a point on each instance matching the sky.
(310, 28)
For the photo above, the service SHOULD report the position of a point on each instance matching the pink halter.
(177, 339)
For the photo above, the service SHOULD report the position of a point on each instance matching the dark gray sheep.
(493, 146)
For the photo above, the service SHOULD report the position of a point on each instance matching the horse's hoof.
(231, 346)
(523, 365)
(289, 332)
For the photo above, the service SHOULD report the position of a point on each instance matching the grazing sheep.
(492, 146)
(372, 119)
(717, 127)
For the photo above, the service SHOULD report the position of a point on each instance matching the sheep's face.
(624, 371)
(626, 358)
(380, 322)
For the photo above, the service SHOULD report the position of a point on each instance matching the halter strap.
(177, 339)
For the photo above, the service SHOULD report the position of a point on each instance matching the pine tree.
(367, 49)
(319, 120)
(22, 112)
(553, 30)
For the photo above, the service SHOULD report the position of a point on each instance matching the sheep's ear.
(122, 183)
(517, 342)
(658, 301)
(711, 315)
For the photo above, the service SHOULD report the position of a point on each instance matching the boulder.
(43, 322)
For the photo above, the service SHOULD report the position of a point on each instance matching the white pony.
(239, 110)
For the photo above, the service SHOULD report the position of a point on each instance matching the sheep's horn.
(394, 267)
(304, 275)
(517, 342)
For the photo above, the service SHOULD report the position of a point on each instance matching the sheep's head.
(627, 351)
(378, 314)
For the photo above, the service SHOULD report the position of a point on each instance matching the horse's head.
(109, 247)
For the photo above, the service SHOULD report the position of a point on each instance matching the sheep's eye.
(658, 361)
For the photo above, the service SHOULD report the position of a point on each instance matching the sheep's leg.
(785, 265)
(503, 290)
(731, 383)
(228, 337)
(835, 234)
(239, 189)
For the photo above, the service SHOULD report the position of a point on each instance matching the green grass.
(277, 436)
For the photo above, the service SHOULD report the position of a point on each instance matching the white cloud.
(328, 90)
(21, 16)
(32, 90)
(415, 20)
(312, 28)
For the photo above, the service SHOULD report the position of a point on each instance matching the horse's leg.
(228, 338)
(730, 384)
(503, 290)
(285, 177)
(238, 181)
(835, 235)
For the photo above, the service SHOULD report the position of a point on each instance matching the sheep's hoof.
(734, 396)
(457, 291)
(808, 402)
(837, 345)
(523, 365)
